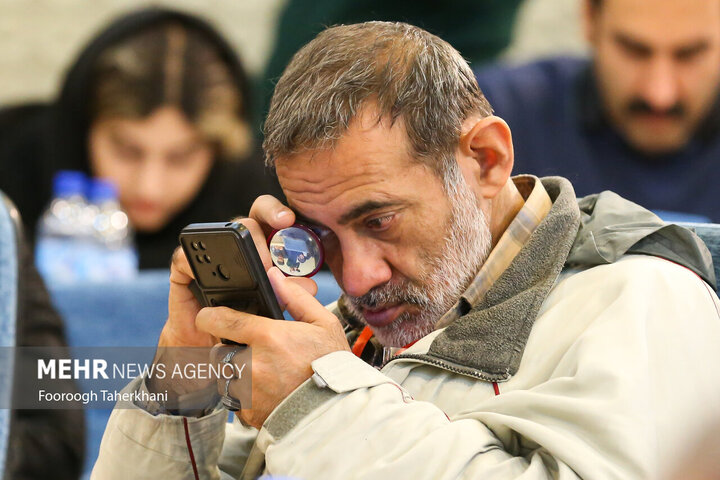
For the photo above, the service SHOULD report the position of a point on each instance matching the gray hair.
(413, 76)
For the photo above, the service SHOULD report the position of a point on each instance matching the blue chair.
(710, 234)
(680, 217)
(9, 235)
(117, 314)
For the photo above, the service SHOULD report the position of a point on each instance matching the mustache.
(640, 106)
(390, 294)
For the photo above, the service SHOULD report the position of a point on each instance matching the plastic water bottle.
(62, 234)
(112, 255)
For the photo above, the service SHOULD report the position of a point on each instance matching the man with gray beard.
(490, 326)
(461, 253)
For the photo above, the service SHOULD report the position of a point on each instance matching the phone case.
(227, 268)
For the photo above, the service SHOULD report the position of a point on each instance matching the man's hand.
(179, 331)
(281, 351)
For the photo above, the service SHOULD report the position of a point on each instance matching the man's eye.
(379, 223)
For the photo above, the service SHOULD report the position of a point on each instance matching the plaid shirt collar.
(536, 207)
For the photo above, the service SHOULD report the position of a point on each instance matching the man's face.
(400, 247)
(658, 67)
(158, 163)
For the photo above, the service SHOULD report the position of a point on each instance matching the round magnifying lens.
(296, 251)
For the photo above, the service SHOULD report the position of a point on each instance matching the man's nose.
(660, 87)
(363, 267)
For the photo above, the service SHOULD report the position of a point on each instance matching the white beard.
(446, 277)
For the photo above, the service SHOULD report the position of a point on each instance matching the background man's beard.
(446, 275)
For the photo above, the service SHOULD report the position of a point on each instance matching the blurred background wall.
(546, 27)
(39, 38)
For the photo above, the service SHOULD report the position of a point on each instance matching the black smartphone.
(228, 270)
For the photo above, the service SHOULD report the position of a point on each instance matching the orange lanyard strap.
(362, 341)
(365, 337)
(401, 350)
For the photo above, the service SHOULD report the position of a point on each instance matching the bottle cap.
(69, 182)
(102, 190)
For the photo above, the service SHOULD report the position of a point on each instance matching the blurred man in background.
(640, 118)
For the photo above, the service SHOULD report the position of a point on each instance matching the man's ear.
(486, 154)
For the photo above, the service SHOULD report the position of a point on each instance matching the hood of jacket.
(612, 226)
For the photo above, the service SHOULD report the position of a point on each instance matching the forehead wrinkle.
(326, 196)
(314, 175)
(312, 186)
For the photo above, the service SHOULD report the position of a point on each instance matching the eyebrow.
(354, 213)
(119, 137)
(303, 219)
(697, 47)
(640, 47)
(629, 42)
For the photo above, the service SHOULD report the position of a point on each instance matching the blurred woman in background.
(157, 103)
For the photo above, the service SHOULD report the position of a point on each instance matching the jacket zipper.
(437, 363)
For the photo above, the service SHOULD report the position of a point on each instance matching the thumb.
(297, 300)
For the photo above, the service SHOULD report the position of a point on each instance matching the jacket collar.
(488, 342)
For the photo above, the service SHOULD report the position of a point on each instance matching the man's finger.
(259, 240)
(271, 214)
(180, 271)
(308, 284)
(223, 322)
(299, 303)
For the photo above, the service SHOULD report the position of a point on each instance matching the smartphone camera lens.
(194, 245)
(223, 272)
(201, 245)
(207, 258)
(199, 258)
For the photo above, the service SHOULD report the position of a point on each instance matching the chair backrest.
(9, 273)
(710, 234)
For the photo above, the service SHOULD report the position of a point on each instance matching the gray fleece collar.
(488, 342)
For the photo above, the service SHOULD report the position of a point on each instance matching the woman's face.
(159, 163)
